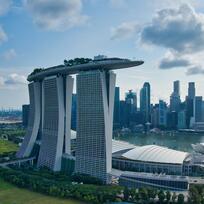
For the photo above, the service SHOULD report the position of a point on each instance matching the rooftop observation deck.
(102, 64)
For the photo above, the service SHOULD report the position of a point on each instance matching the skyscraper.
(182, 119)
(155, 115)
(145, 101)
(162, 113)
(56, 121)
(198, 109)
(190, 103)
(191, 90)
(177, 87)
(25, 115)
(33, 121)
(175, 100)
(116, 115)
(131, 98)
(50, 93)
(95, 94)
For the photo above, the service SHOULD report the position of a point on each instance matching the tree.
(126, 194)
(161, 196)
(194, 196)
(143, 195)
(168, 196)
(174, 196)
(134, 195)
(152, 193)
(180, 199)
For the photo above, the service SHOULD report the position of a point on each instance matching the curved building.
(33, 129)
(151, 159)
(52, 122)
(154, 153)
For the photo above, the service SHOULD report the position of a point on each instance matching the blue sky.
(168, 35)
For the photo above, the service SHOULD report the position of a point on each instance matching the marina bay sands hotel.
(50, 93)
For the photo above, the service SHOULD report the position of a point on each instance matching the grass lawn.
(7, 146)
(10, 194)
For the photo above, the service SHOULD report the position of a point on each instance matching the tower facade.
(198, 108)
(177, 87)
(145, 101)
(56, 111)
(25, 115)
(175, 100)
(95, 94)
(33, 121)
(191, 90)
(116, 115)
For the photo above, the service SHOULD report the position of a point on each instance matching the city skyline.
(122, 34)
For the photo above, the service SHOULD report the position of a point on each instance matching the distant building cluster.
(177, 115)
(10, 115)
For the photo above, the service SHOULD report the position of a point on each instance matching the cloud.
(5, 6)
(1, 81)
(195, 70)
(9, 54)
(171, 60)
(160, 4)
(180, 29)
(124, 30)
(3, 36)
(56, 15)
(14, 79)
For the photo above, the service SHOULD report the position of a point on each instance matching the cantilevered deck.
(106, 64)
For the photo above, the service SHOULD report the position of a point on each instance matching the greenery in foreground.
(61, 186)
(10, 194)
(62, 189)
(7, 146)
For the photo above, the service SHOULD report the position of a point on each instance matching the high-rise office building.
(191, 90)
(145, 101)
(162, 113)
(177, 87)
(190, 103)
(181, 119)
(95, 94)
(172, 120)
(131, 98)
(198, 102)
(25, 115)
(155, 115)
(116, 115)
(175, 100)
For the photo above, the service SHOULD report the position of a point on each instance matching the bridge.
(18, 162)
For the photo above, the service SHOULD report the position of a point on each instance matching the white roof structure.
(157, 154)
(120, 145)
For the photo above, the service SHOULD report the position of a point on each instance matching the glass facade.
(155, 182)
(140, 166)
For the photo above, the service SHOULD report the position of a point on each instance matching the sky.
(168, 35)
